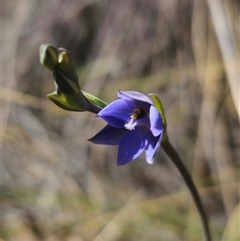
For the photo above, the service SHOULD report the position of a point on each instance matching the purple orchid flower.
(134, 124)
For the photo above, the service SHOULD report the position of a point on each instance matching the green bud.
(65, 74)
(76, 102)
(71, 103)
(65, 82)
(68, 94)
(66, 64)
(48, 55)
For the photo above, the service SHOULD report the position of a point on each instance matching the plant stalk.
(173, 155)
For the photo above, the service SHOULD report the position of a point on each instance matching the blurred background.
(55, 185)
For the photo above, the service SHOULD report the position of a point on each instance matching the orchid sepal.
(158, 105)
(95, 100)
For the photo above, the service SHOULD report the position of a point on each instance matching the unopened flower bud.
(65, 74)
(68, 94)
(48, 55)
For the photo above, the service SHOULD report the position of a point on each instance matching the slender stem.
(173, 155)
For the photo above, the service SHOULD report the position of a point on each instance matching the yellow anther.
(137, 113)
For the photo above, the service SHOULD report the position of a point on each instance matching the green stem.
(173, 155)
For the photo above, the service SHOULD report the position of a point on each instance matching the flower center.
(137, 113)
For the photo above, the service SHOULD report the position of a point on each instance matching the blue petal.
(118, 112)
(132, 144)
(134, 95)
(109, 136)
(155, 121)
(144, 120)
(152, 147)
